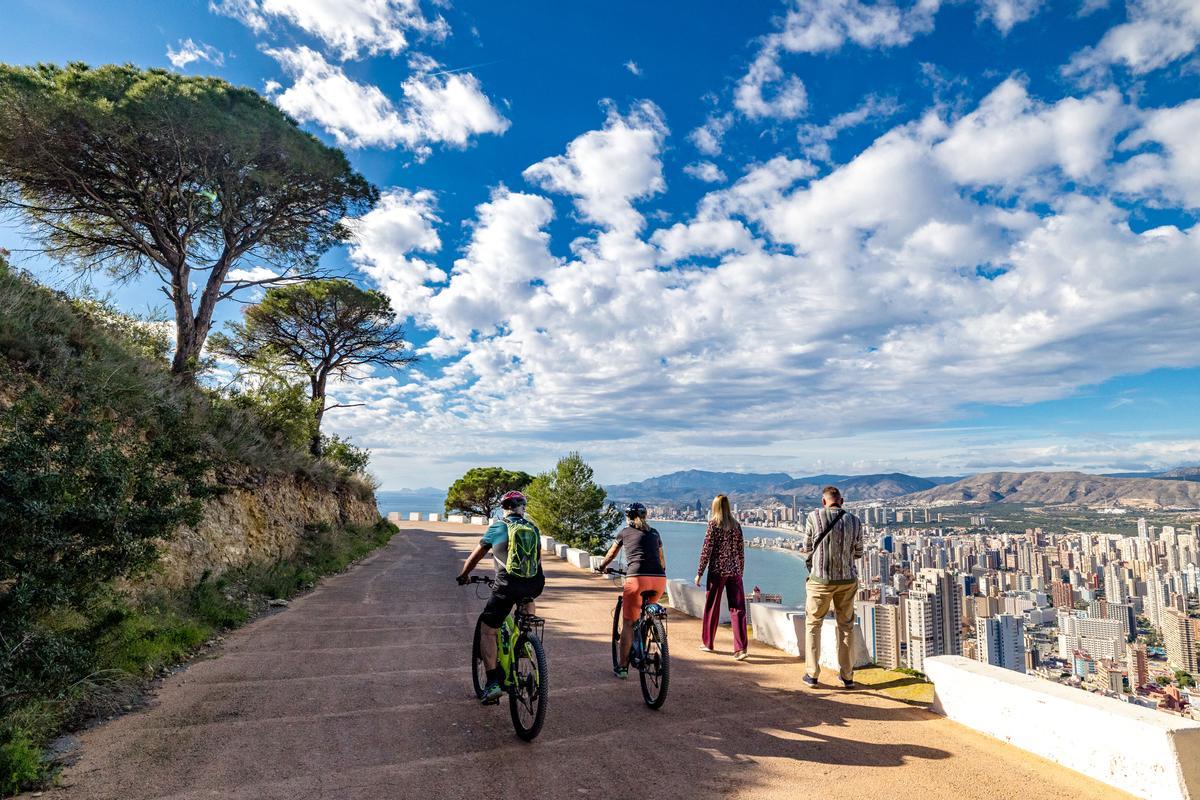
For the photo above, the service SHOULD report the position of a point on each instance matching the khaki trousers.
(820, 597)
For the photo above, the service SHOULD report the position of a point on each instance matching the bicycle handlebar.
(479, 579)
(611, 571)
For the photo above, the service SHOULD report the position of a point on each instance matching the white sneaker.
(704, 649)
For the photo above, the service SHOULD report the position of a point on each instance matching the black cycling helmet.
(635, 510)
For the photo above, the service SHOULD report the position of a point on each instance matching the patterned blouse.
(723, 552)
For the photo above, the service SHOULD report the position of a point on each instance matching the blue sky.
(827, 236)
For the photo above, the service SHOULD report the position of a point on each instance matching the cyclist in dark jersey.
(645, 570)
(509, 590)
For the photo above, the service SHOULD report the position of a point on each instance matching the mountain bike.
(522, 661)
(648, 653)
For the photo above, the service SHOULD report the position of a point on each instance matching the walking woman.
(724, 556)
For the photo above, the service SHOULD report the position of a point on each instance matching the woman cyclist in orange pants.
(646, 570)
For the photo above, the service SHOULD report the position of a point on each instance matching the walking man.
(833, 541)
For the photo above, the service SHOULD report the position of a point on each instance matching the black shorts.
(508, 592)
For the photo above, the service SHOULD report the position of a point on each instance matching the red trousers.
(732, 586)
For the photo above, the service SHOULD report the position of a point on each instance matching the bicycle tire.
(478, 671)
(616, 635)
(540, 684)
(655, 672)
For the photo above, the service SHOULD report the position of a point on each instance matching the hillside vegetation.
(105, 458)
(1063, 488)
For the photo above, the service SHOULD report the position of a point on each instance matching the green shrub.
(20, 761)
(341, 452)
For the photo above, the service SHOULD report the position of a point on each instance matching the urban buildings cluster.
(1110, 613)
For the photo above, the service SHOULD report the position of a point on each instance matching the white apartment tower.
(934, 611)
(1000, 641)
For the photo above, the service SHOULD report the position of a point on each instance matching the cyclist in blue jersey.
(517, 578)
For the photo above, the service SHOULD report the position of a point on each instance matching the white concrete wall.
(560, 550)
(1144, 752)
(579, 558)
(434, 517)
(595, 561)
(548, 544)
(479, 520)
(414, 516)
(394, 517)
(459, 518)
(775, 625)
(689, 599)
(859, 656)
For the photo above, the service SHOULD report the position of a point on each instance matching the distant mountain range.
(688, 485)
(1176, 488)
(1066, 488)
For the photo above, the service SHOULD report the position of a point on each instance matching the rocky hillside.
(260, 525)
(1062, 488)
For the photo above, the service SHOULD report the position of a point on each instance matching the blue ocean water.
(773, 571)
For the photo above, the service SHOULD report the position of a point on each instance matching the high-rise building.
(1181, 635)
(1000, 641)
(1099, 638)
(1155, 597)
(881, 629)
(1138, 665)
(1062, 594)
(934, 611)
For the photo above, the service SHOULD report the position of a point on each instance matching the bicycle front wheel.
(530, 691)
(616, 635)
(478, 670)
(655, 671)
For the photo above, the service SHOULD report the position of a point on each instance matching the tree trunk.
(318, 397)
(187, 344)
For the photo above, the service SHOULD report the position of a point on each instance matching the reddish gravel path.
(361, 689)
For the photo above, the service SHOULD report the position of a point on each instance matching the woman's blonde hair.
(721, 513)
(638, 520)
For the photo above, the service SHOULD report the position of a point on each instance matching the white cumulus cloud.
(705, 171)
(606, 170)
(189, 51)
(350, 27)
(447, 109)
(1006, 14)
(385, 240)
(1157, 33)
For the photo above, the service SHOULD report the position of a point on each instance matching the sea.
(779, 572)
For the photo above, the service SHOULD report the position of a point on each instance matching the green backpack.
(524, 549)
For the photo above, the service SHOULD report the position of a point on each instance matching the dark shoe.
(847, 684)
(621, 672)
(810, 681)
(491, 693)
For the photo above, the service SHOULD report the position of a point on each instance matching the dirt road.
(361, 689)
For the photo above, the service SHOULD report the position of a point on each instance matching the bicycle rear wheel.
(530, 691)
(655, 671)
(478, 670)
(616, 635)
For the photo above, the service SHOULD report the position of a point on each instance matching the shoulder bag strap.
(841, 513)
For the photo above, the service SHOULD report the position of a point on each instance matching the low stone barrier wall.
(1144, 752)
(859, 656)
(560, 550)
(778, 626)
(688, 598)
(579, 558)
(548, 544)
